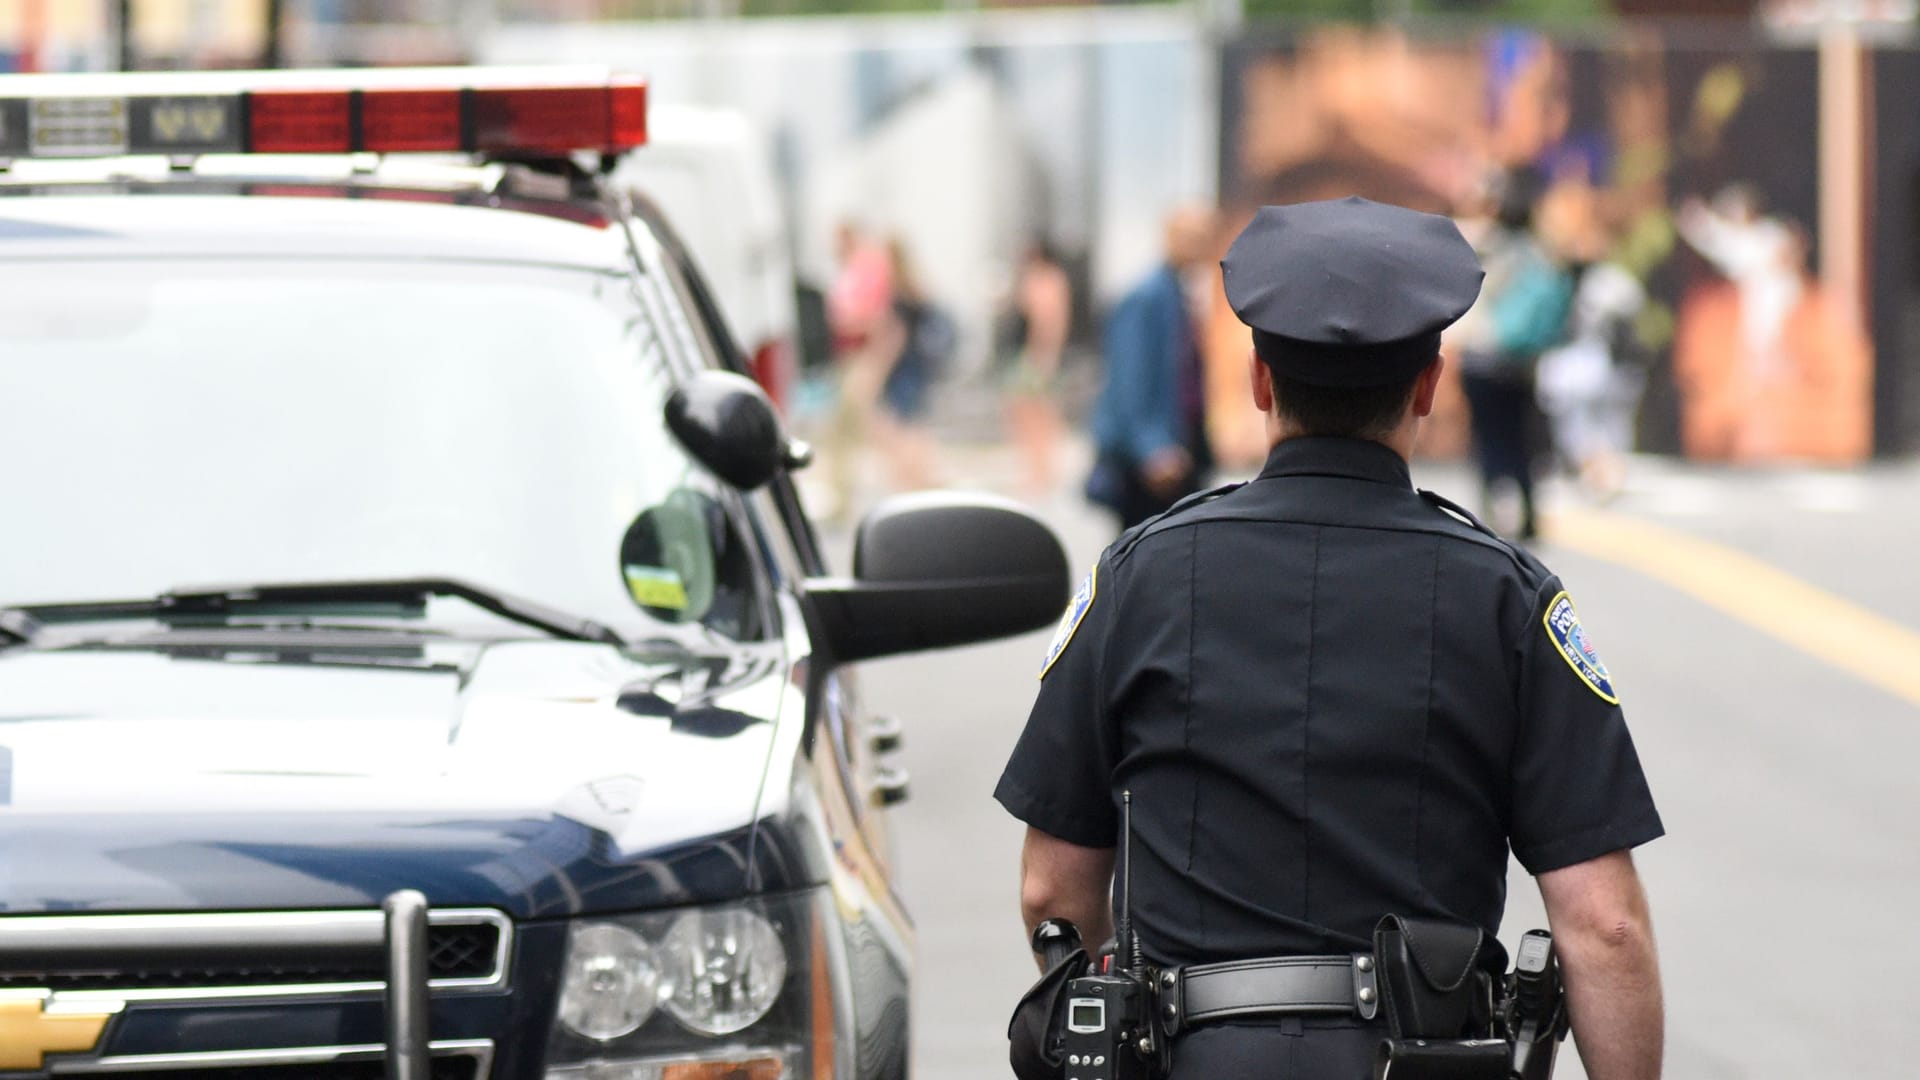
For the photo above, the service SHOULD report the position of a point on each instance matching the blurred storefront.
(1732, 174)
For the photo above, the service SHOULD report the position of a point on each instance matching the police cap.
(1349, 292)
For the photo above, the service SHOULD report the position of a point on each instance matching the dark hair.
(1520, 192)
(1351, 411)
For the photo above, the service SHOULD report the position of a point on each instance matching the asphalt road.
(1782, 891)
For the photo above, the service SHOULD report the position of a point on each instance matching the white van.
(710, 172)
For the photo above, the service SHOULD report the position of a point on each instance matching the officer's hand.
(1166, 472)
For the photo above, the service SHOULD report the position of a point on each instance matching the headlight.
(611, 984)
(724, 969)
(737, 991)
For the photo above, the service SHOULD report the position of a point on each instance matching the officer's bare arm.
(1604, 937)
(1059, 880)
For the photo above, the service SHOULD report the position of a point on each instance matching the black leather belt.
(1274, 986)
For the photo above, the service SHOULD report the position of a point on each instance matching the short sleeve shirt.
(1331, 699)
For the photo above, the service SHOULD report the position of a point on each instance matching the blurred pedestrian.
(858, 307)
(917, 339)
(1761, 256)
(1040, 319)
(1521, 313)
(1149, 424)
(1590, 387)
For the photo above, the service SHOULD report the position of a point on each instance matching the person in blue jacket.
(1149, 424)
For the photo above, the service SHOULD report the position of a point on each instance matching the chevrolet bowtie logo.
(30, 1030)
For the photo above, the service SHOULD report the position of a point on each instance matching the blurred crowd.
(892, 344)
(1551, 364)
(1651, 280)
(1547, 360)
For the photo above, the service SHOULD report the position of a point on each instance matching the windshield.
(172, 423)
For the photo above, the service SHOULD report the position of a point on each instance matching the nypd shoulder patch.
(1570, 639)
(1069, 622)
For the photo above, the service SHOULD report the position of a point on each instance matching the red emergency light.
(453, 110)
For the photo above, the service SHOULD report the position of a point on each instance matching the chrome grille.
(470, 1059)
(142, 957)
(443, 1068)
(462, 951)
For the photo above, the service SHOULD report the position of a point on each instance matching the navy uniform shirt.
(1332, 700)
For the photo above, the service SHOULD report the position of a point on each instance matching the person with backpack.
(1521, 314)
(919, 339)
(1590, 385)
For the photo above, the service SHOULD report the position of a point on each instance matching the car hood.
(540, 778)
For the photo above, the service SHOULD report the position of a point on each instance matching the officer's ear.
(1262, 382)
(1425, 387)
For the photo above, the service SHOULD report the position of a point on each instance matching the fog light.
(722, 969)
(611, 983)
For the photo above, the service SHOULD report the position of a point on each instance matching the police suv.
(414, 658)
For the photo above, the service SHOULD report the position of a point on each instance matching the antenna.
(1126, 946)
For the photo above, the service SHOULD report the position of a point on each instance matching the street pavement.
(1787, 784)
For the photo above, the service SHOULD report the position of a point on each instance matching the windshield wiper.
(215, 602)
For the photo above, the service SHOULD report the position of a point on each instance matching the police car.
(414, 657)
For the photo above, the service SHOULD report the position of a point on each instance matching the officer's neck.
(1400, 440)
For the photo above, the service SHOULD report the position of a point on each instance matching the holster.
(1432, 983)
(1034, 1032)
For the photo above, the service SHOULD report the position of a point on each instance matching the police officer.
(1333, 697)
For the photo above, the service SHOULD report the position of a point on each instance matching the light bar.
(471, 110)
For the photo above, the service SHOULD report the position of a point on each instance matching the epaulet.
(1529, 566)
(1134, 535)
(1448, 506)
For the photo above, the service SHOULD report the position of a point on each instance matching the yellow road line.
(1869, 646)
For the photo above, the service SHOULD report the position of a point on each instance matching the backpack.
(1530, 314)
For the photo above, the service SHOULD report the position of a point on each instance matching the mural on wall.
(1684, 175)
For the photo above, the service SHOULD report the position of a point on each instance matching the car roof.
(296, 220)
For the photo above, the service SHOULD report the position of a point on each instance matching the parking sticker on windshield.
(1570, 638)
(657, 587)
(1076, 611)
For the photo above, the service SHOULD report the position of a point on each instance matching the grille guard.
(407, 1005)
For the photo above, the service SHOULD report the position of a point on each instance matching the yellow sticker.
(1069, 622)
(656, 587)
(1570, 639)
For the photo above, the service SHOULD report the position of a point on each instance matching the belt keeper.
(1366, 986)
(1168, 1000)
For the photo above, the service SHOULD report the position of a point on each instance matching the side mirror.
(931, 570)
(729, 425)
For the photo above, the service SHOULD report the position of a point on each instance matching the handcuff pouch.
(1432, 981)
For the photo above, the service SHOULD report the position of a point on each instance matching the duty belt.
(1273, 986)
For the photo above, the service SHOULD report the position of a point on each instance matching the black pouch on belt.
(1034, 1033)
(1432, 983)
(1451, 1059)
